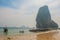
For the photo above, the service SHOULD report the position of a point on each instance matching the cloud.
(12, 17)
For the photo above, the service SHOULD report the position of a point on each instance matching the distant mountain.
(24, 27)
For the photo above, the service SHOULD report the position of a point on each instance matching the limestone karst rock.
(43, 19)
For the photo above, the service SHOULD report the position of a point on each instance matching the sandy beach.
(50, 35)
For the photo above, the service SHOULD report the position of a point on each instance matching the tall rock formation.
(43, 19)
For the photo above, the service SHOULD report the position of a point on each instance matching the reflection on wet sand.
(48, 36)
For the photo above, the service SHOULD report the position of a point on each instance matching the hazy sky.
(23, 12)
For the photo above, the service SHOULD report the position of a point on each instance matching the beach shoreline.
(34, 36)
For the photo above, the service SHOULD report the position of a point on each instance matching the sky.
(23, 12)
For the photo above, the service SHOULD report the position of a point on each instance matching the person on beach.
(5, 30)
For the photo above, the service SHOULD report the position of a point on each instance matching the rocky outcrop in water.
(43, 19)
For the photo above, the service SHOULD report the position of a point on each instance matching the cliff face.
(43, 19)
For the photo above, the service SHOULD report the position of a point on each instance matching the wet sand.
(50, 35)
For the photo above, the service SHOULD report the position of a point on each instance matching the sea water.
(13, 31)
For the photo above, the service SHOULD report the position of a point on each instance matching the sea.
(14, 30)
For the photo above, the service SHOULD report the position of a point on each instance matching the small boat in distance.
(21, 31)
(39, 30)
(43, 30)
